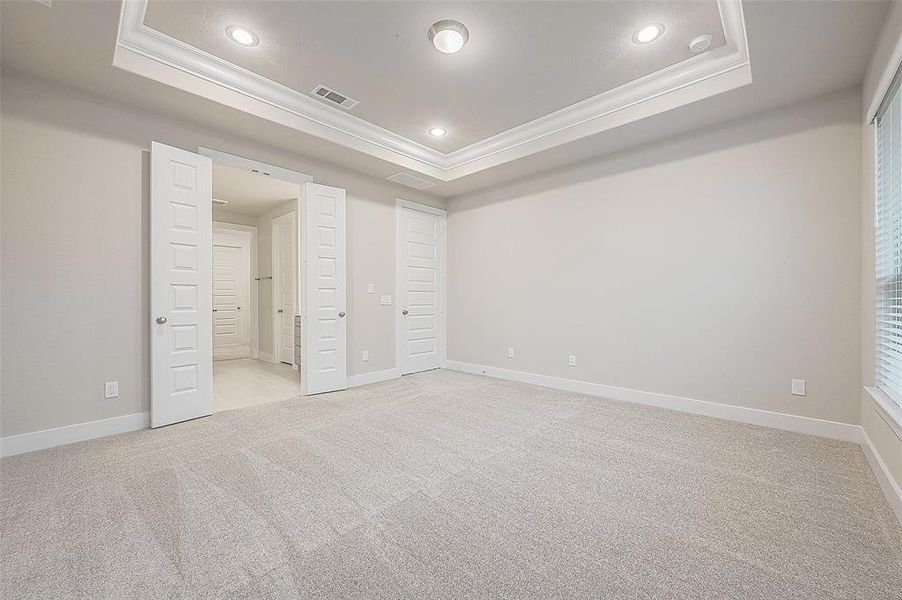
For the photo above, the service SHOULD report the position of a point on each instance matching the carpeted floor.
(445, 485)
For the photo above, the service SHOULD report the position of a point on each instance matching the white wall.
(882, 430)
(716, 267)
(75, 251)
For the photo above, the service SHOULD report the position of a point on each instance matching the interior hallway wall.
(75, 251)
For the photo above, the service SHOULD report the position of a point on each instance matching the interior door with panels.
(181, 228)
(231, 293)
(421, 284)
(324, 329)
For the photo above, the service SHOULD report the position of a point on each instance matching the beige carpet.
(445, 485)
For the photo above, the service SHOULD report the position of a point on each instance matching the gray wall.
(717, 266)
(75, 279)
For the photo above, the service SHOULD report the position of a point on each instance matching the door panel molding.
(404, 364)
(181, 274)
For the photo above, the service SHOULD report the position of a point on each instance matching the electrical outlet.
(510, 352)
(798, 387)
(366, 355)
(385, 301)
(111, 389)
(572, 360)
(371, 288)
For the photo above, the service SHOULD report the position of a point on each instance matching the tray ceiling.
(518, 65)
(533, 76)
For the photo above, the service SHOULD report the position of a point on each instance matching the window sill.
(889, 410)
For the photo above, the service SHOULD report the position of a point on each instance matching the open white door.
(324, 359)
(181, 234)
(285, 276)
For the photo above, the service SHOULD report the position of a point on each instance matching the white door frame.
(442, 282)
(252, 284)
(275, 266)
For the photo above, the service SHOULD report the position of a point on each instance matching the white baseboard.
(890, 488)
(373, 377)
(829, 429)
(266, 356)
(47, 438)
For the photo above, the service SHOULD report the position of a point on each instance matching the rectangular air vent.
(411, 181)
(333, 97)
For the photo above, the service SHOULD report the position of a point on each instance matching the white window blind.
(889, 243)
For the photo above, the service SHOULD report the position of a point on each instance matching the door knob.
(281, 311)
(341, 314)
(161, 320)
(214, 310)
(239, 308)
(404, 312)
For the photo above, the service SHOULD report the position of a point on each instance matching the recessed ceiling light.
(438, 132)
(243, 36)
(700, 43)
(448, 36)
(649, 33)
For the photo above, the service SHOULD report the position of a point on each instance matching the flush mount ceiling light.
(438, 132)
(700, 43)
(448, 36)
(243, 36)
(648, 34)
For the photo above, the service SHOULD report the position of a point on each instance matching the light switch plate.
(572, 360)
(510, 352)
(366, 355)
(798, 387)
(385, 301)
(111, 389)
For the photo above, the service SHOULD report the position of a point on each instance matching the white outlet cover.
(111, 389)
(366, 355)
(371, 288)
(510, 352)
(385, 301)
(798, 387)
(572, 360)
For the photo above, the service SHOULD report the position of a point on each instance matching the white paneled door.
(285, 278)
(324, 363)
(421, 277)
(231, 293)
(181, 223)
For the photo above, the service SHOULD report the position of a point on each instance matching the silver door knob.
(341, 314)
(161, 320)
(404, 312)
(239, 308)
(280, 311)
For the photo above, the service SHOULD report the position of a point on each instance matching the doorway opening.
(256, 282)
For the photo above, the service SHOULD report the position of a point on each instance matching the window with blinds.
(889, 243)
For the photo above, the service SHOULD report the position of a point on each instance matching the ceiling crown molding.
(153, 54)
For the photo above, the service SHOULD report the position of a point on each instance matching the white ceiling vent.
(411, 181)
(334, 97)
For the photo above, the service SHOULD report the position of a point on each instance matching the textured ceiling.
(523, 60)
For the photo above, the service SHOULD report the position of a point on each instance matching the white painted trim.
(48, 438)
(886, 78)
(266, 357)
(890, 488)
(253, 291)
(443, 279)
(846, 432)
(886, 408)
(373, 377)
(150, 53)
